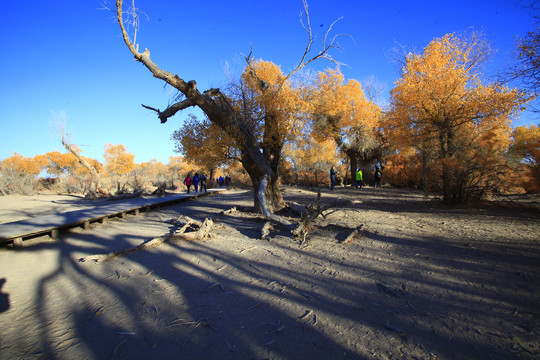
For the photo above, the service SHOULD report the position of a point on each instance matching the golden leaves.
(25, 166)
(340, 106)
(118, 161)
(439, 90)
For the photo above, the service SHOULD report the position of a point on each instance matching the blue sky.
(65, 59)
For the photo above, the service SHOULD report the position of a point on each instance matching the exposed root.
(352, 235)
(310, 213)
(265, 230)
(201, 233)
(264, 205)
(231, 211)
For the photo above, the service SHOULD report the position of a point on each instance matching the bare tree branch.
(172, 109)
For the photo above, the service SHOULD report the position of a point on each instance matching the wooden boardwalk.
(18, 231)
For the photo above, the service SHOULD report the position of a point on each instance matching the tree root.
(231, 211)
(309, 213)
(351, 236)
(261, 194)
(265, 230)
(201, 233)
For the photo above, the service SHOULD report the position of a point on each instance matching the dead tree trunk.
(94, 176)
(259, 158)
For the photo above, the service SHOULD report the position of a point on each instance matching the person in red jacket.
(187, 182)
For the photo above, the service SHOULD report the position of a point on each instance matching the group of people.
(224, 181)
(196, 180)
(359, 178)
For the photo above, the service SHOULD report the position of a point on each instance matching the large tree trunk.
(262, 166)
(272, 194)
(446, 138)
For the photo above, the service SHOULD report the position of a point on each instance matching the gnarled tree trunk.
(94, 176)
(261, 161)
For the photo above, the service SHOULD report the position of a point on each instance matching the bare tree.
(94, 176)
(526, 70)
(259, 158)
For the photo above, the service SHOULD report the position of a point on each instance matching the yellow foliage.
(81, 170)
(526, 147)
(118, 161)
(275, 97)
(204, 143)
(60, 162)
(25, 166)
(441, 107)
(342, 106)
(438, 90)
(526, 143)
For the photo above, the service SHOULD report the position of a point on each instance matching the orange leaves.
(440, 89)
(338, 106)
(118, 161)
(25, 166)
(441, 107)
(526, 143)
(278, 102)
(526, 148)
(60, 162)
(204, 143)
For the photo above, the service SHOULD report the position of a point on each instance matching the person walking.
(203, 182)
(196, 179)
(333, 174)
(187, 182)
(359, 178)
(378, 176)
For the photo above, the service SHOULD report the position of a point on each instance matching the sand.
(420, 281)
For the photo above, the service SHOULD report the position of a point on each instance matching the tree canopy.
(441, 106)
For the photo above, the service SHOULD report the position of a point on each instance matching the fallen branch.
(160, 190)
(200, 234)
(125, 196)
(232, 210)
(351, 236)
(297, 208)
(310, 213)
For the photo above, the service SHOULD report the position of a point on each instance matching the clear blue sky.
(66, 58)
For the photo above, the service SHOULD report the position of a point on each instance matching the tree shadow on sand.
(238, 297)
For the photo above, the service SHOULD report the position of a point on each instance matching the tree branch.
(172, 109)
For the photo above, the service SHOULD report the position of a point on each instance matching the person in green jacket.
(359, 178)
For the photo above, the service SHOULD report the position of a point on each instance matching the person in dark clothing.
(333, 174)
(196, 179)
(378, 176)
(203, 183)
(4, 298)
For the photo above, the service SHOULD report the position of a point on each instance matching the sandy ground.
(421, 281)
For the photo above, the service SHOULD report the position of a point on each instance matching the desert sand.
(420, 281)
